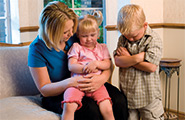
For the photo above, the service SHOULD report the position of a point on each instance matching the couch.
(19, 97)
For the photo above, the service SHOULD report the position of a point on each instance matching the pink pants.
(73, 94)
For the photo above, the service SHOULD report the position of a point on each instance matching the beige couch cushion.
(15, 77)
(24, 108)
(16, 80)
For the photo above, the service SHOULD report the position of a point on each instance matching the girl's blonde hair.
(52, 21)
(89, 23)
(130, 17)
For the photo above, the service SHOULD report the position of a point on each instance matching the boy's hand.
(122, 51)
(91, 67)
(141, 56)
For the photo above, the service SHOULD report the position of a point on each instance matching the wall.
(112, 36)
(174, 11)
(29, 12)
(174, 46)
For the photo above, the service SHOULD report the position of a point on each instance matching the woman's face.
(68, 30)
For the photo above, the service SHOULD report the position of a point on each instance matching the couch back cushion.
(15, 77)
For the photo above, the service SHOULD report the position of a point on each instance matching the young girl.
(85, 58)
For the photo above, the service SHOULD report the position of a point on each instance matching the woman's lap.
(90, 110)
(120, 107)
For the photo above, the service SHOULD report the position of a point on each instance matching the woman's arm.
(44, 85)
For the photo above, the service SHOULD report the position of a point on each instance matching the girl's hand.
(91, 67)
(89, 83)
(122, 51)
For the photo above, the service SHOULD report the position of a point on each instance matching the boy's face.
(137, 34)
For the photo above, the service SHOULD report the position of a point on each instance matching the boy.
(138, 55)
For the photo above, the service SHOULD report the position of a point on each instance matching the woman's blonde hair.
(130, 17)
(52, 21)
(89, 23)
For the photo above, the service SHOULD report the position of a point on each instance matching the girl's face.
(89, 39)
(68, 30)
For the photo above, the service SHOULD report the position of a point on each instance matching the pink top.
(85, 55)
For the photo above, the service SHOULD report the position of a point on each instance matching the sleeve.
(35, 58)
(105, 50)
(154, 50)
(74, 51)
(119, 44)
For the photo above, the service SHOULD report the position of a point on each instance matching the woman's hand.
(74, 81)
(90, 83)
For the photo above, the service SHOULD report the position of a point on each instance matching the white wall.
(174, 47)
(153, 9)
(29, 12)
(174, 11)
(112, 9)
(111, 16)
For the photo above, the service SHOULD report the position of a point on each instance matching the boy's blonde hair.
(89, 23)
(130, 18)
(52, 21)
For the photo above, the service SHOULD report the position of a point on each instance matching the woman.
(48, 64)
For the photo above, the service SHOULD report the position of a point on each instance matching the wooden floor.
(181, 117)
